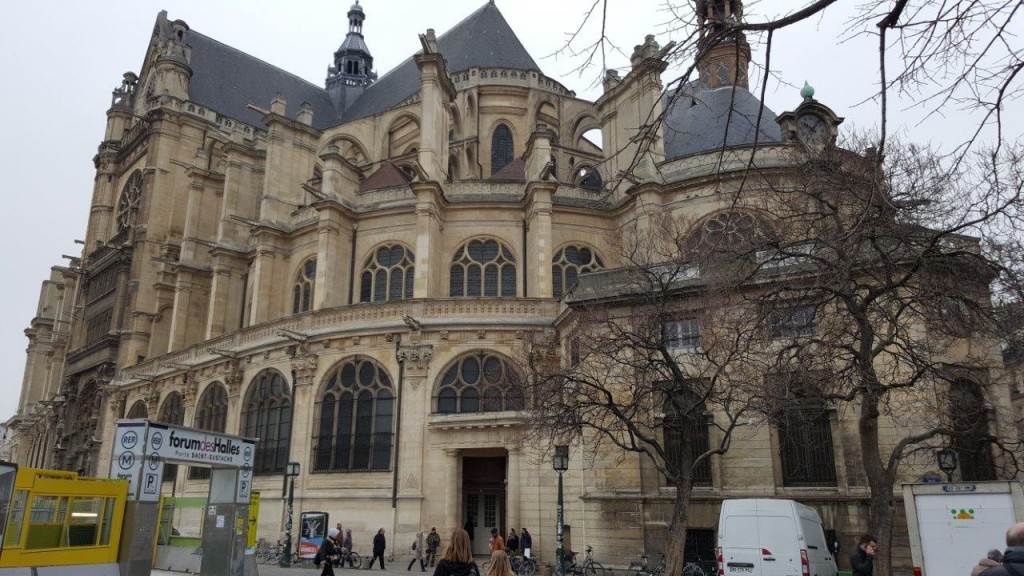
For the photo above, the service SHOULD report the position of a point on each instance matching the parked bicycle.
(644, 568)
(348, 558)
(522, 566)
(693, 569)
(587, 568)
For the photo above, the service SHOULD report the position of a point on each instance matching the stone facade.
(232, 242)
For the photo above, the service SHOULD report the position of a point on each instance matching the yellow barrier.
(53, 513)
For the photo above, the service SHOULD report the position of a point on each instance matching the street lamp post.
(291, 471)
(948, 462)
(560, 463)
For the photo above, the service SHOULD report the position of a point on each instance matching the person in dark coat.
(863, 559)
(379, 545)
(433, 542)
(512, 542)
(469, 527)
(328, 552)
(525, 542)
(1013, 558)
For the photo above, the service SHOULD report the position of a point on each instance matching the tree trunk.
(881, 504)
(676, 545)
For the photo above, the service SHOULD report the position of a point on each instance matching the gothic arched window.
(589, 178)
(172, 411)
(355, 416)
(568, 263)
(128, 204)
(483, 267)
(388, 274)
(502, 149)
(302, 291)
(479, 382)
(970, 422)
(212, 416)
(268, 416)
(138, 410)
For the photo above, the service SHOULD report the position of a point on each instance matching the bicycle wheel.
(355, 559)
(692, 569)
(593, 569)
(527, 568)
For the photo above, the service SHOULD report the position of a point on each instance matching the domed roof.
(356, 7)
(704, 120)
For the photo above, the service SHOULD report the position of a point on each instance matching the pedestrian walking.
(1013, 558)
(497, 542)
(863, 558)
(512, 542)
(433, 543)
(417, 552)
(470, 527)
(500, 565)
(327, 553)
(379, 545)
(525, 542)
(993, 559)
(458, 557)
(346, 548)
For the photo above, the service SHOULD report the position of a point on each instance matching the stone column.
(263, 284)
(452, 490)
(514, 495)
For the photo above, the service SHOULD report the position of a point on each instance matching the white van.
(765, 537)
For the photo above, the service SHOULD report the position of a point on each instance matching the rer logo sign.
(129, 440)
(156, 440)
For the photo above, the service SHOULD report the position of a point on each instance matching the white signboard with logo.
(141, 447)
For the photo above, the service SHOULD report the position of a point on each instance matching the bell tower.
(724, 54)
(352, 70)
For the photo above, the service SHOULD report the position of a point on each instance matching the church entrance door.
(483, 490)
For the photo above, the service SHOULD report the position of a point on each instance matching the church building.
(349, 272)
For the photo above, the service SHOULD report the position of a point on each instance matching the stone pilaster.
(436, 93)
(304, 368)
(334, 245)
(452, 482)
(538, 235)
(515, 488)
(430, 204)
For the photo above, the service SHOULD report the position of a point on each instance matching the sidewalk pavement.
(395, 568)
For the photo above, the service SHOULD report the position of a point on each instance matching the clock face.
(812, 129)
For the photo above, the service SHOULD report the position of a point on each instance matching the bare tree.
(646, 370)
(872, 292)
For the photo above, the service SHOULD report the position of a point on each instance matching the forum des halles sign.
(142, 447)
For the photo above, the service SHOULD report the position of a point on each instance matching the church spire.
(353, 63)
(724, 54)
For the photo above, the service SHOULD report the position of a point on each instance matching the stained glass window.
(502, 150)
(268, 416)
(479, 382)
(483, 267)
(568, 263)
(388, 274)
(302, 291)
(355, 417)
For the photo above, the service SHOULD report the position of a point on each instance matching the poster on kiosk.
(314, 530)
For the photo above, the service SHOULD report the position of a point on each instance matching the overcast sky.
(61, 60)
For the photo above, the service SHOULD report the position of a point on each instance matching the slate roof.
(703, 120)
(386, 176)
(514, 170)
(483, 40)
(227, 80)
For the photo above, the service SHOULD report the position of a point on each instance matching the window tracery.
(302, 291)
(479, 382)
(568, 264)
(388, 274)
(128, 205)
(355, 418)
(268, 416)
(483, 267)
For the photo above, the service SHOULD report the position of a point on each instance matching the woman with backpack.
(417, 553)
